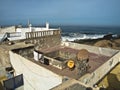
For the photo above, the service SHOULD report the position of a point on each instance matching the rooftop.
(95, 61)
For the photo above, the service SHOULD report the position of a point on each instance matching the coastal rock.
(105, 43)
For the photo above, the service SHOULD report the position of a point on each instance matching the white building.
(19, 32)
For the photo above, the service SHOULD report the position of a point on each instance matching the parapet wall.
(4, 57)
(26, 52)
(36, 34)
(2, 71)
(35, 76)
(94, 77)
(93, 49)
(98, 74)
(7, 29)
(44, 39)
(71, 84)
(55, 63)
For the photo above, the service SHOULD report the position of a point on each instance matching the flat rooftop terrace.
(6, 46)
(95, 61)
(4, 52)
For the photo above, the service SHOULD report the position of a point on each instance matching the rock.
(105, 43)
(108, 36)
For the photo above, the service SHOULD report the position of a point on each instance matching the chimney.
(30, 27)
(47, 25)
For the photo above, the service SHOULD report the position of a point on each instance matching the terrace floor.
(95, 61)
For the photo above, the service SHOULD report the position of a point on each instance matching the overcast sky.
(66, 12)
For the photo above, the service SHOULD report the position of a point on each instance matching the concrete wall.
(7, 29)
(2, 72)
(4, 57)
(23, 31)
(93, 49)
(99, 73)
(56, 63)
(71, 84)
(35, 77)
(60, 63)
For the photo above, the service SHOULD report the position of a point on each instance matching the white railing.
(41, 33)
(14, 34)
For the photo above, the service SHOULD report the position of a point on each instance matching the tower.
(29, 25)
(47, 25)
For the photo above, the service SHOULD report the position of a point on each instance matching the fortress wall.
(99, 73)
(35, 77)
(93, 49)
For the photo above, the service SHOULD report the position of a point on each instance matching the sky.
(60, 12)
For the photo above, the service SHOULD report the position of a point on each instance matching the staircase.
(3, 37)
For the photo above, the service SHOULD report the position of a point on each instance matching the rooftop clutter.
(65, 57)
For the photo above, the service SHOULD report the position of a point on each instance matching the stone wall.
(67, 55)
(56, 63)
(53, 54)
(26, 52)
(62, 54)
(44, 39)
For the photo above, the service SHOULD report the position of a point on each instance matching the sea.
(71, 33)
(77, 32)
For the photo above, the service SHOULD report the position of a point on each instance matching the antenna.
(28, 22)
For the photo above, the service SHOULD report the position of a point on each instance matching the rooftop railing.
(42, 33)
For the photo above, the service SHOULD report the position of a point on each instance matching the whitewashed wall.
(93, 49)
(35, 76)
(7, 29)
(99, 73)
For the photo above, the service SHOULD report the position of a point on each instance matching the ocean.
(72, 33)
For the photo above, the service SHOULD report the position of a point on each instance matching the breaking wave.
(72, 33)
(79, 36)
